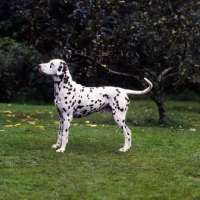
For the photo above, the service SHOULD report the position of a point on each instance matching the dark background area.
(155, 39)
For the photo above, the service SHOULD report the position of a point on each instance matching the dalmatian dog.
(73, 100)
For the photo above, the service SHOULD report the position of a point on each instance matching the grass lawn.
(164, 162)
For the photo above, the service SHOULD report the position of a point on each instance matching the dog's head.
(55, 67)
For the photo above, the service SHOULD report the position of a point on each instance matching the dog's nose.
(39, 65)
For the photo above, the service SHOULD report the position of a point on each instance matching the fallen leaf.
(1, 130)
(7, 112)
(9, 125)
(40, 127)
(56, 122)
(31, 122)
(75, 124)
(91, 125)
(87, 122)
(17, 125)
(192, 129)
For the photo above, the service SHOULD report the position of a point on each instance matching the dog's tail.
(143, 91)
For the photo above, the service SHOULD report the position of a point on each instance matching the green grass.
(164, 162)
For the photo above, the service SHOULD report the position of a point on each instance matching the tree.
(154, 39)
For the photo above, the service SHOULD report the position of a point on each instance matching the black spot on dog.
(84, 112)
(60, 68)
(107, 96)
(79, 107)
(73, 103)
(127, 99)
(66, 80)
(118, 90)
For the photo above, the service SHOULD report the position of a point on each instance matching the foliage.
(154, 39)
(18, 72)
(163, 163)
(149, 36)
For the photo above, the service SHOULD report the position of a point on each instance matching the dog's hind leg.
(120, 120)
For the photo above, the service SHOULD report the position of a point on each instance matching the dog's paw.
(55, 146)
(124, 149)
(60, 150)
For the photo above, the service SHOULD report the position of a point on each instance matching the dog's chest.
(64, 94)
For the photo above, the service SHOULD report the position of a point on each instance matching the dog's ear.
(62, 68)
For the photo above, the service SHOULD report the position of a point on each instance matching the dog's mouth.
(40, 69)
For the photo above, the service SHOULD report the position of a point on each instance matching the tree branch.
(164, 73)
(104, 66)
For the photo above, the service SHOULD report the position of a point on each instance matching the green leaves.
(19, 77)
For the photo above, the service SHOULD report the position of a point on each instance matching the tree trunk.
(161, 109)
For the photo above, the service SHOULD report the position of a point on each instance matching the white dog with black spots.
(73, 100)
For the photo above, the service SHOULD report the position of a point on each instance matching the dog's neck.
(58, 79)
(64, 77)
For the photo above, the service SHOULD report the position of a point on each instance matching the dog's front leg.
(65, 134)
(60, 131)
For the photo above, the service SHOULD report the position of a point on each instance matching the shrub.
(19, 76)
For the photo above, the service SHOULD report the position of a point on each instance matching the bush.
(19, 76)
